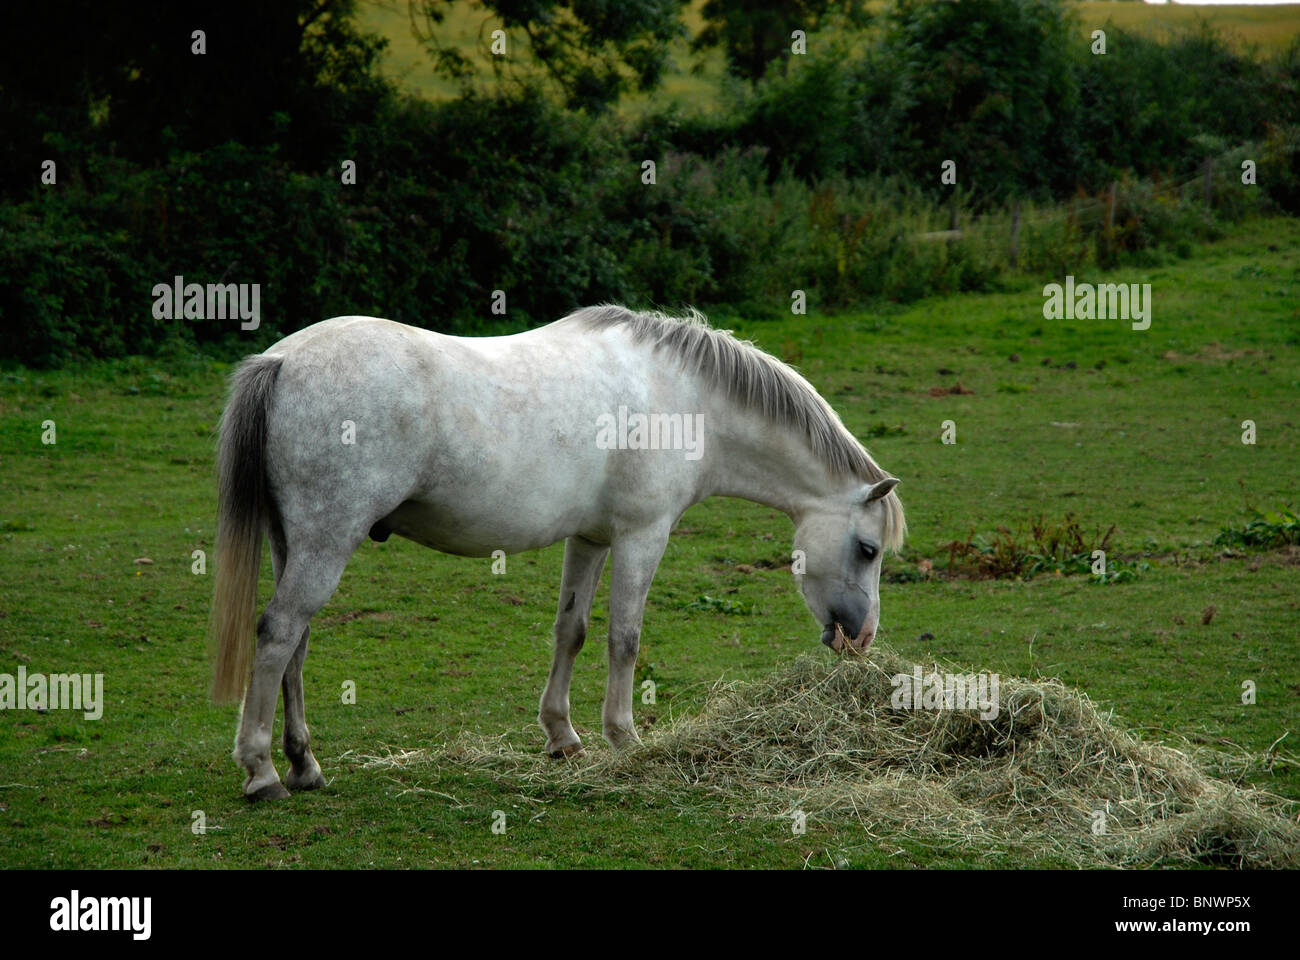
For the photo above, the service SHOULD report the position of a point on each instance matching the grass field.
(1270, 28)
(694, 80)
(1137, 429)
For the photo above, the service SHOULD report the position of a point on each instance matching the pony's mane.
(759, 382)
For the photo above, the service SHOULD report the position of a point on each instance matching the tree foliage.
(225, 168)
(593, 50)
(754, 33)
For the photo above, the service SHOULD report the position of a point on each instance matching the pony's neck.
(754, 459)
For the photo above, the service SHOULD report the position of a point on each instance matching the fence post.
(1108, 235)
(1015, 235)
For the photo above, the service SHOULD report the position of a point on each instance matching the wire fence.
(1079, 210)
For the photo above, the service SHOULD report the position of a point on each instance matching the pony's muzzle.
(841, 641)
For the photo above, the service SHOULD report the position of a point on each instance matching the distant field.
(1271, 28)
(695, 79)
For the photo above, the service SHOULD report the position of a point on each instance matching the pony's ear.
(874, 491)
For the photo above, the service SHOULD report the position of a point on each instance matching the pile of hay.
(822, 737)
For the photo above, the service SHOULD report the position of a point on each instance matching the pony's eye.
(867, 551)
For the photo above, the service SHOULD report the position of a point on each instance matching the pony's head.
(839, 547)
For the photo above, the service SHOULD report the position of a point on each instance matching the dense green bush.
(450, 203)
(1279, 167)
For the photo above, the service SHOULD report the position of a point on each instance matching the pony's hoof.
(308, 781)
(272, 791)
(622, 739)
(565, 752)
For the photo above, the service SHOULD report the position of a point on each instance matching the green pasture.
(1137, 429)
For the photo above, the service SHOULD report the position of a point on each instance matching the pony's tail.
(243, 507)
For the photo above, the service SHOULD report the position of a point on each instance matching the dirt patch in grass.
(335, 619)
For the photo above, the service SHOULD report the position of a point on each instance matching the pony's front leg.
(583, 561)
(635, 561)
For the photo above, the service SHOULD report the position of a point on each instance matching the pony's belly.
(434, 526)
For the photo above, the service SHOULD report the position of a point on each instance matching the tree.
(133, 77)
(753, 33)
(988, 84)
(593, 50)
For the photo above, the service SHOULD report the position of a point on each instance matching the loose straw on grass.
(822, 737)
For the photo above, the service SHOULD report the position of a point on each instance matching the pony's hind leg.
(304, 771)
(305, 585)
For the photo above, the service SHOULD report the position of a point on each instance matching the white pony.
(600, 429)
